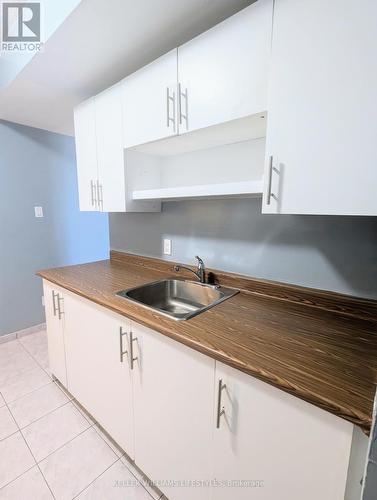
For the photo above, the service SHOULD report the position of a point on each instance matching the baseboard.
(22, 333)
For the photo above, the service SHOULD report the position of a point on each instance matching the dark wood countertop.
(318, 346)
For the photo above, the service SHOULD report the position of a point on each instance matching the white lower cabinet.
(198, 428)
(99, 376)
(55, 321)
(286, 448)
(173, 401)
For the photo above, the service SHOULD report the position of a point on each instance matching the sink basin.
(177, 299)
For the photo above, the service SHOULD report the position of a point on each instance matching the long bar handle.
(92, 192)
(170, 98)
(220, 408)
(100, 196)
(60, 312)
(122, 352)
(54, 295)
(184, 115)
(271, 170)
(269, 184)
(132, 358)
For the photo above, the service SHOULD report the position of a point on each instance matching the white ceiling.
(101, 42)
(54, 14)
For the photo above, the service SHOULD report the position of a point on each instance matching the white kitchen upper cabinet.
(86, 154)
(223, 73)
(109, 130)
(99, 374)
(322, 108)
(173, 402)
(55, 319)
(150, 101)
(295, 450)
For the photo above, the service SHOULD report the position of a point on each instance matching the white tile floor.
(49, 447)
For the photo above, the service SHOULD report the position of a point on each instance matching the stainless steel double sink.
(177, 299)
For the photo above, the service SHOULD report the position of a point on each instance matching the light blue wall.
(333, 253)
(38, 168)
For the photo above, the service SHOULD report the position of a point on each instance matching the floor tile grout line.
(30, 392)
(30, 354)
(40, 470)
(125, 457)
(62, 446)
(33, 357)
(32, 454)
(48, 413)
(119, 459)
(20, 475)
(141, 483)
(22, 372)
(36, 420)
(45, 415)
(102, 473)
(37, 463)
(9, 435)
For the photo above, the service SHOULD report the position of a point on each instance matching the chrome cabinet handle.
(170, 98)
(60, 312)
(269, 185)
(54, 295)
(271, 170)
(100, 196)
(121, 335)
(220, 409)
(92, 192)
(184, 115)
(132, 358)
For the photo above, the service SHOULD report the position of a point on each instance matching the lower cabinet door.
(55, 319)
(99, 374)
(271, 445)
(173, 402)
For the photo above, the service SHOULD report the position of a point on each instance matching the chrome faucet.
(200, 273)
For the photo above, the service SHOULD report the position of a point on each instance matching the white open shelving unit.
(227, 189)
(225, 160)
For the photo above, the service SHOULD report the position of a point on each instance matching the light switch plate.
(167, 246)
(38, 211)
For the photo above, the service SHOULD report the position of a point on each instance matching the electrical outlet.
(167, 247)
(38, 212)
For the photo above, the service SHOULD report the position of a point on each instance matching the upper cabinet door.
(296, 450)
(109, 129)
(173, 412)
(86, 154)
(321, 139)
(223, 73)
(150, 101)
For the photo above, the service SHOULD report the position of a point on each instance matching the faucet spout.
(200, 273)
